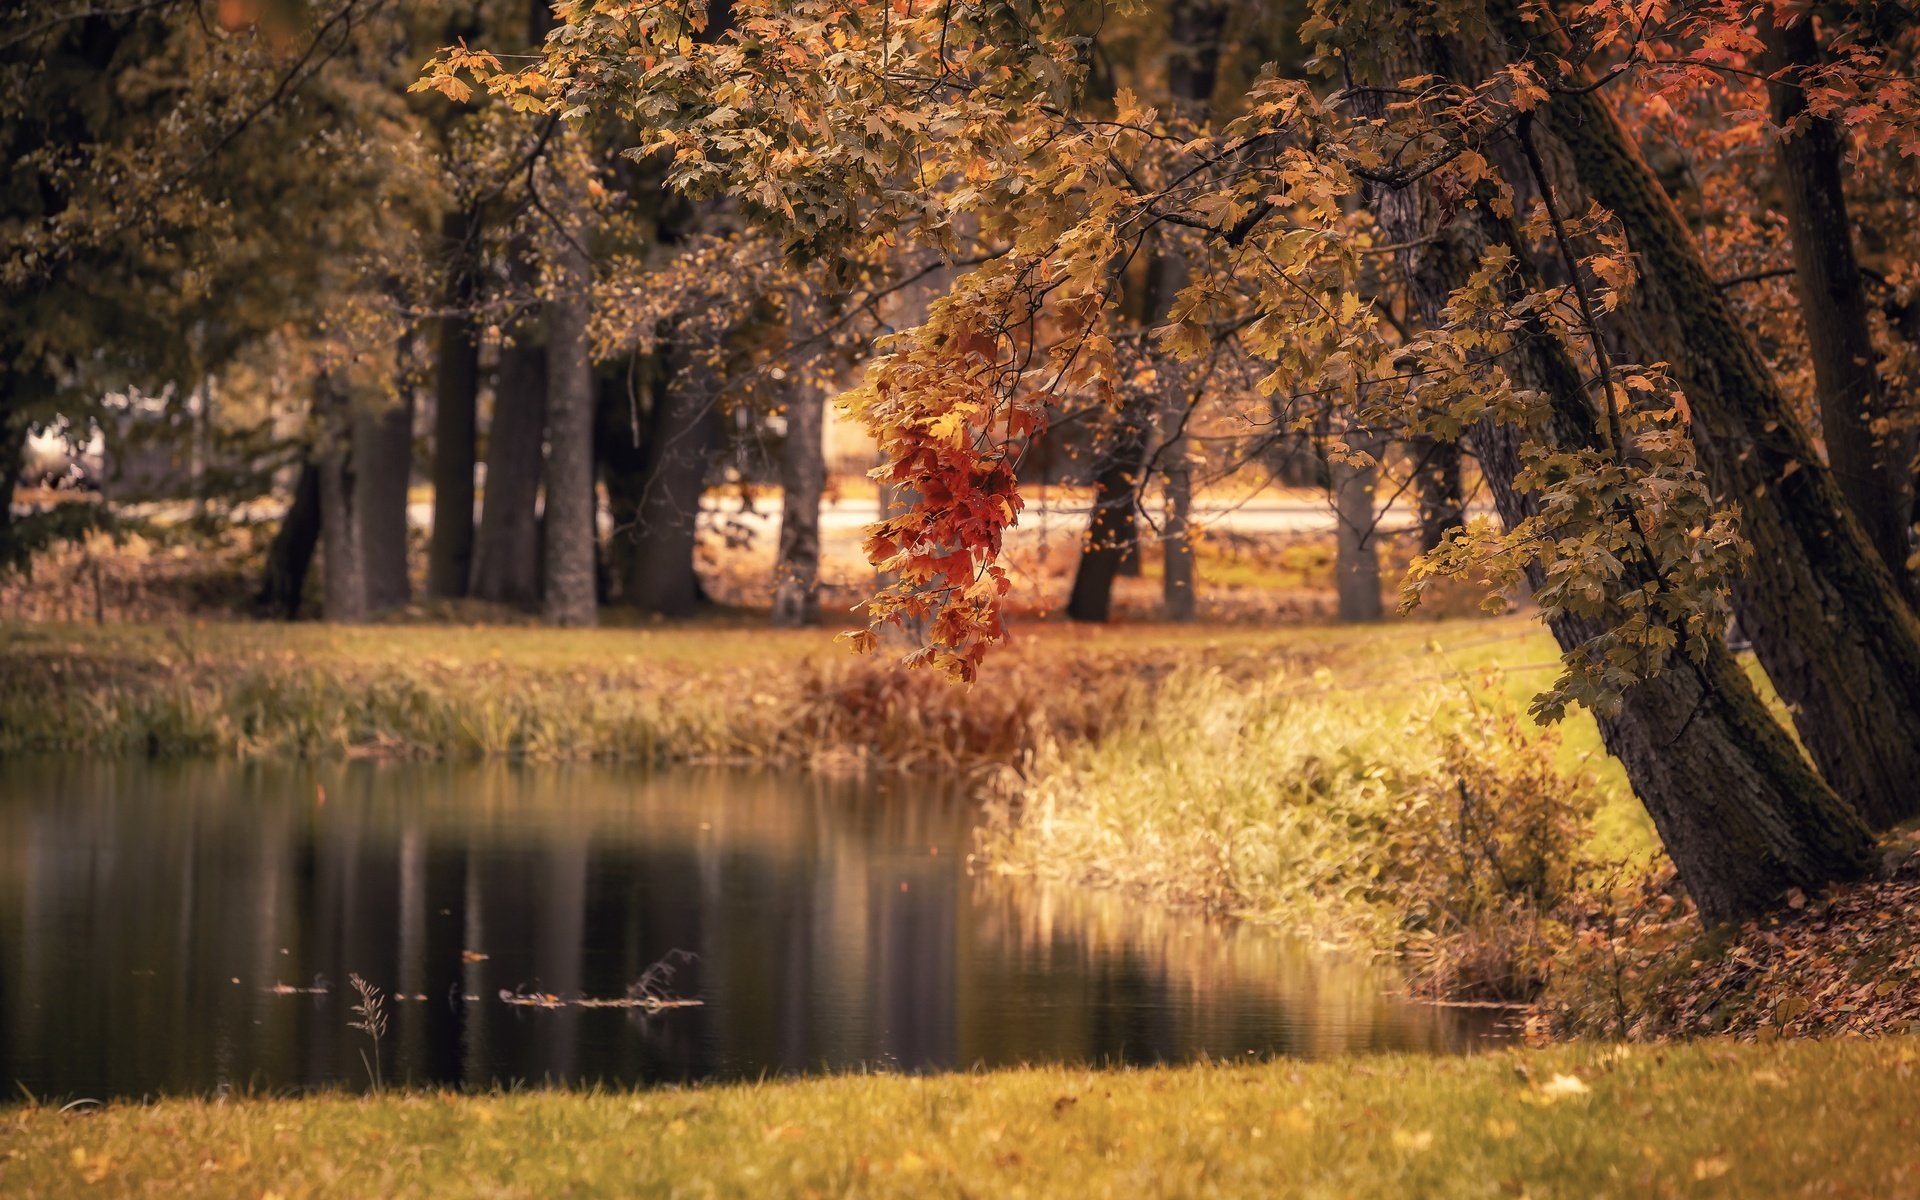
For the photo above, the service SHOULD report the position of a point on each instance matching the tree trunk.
(1196, 29)
(681, 437)
(506, 562)
(1356, 566)
(457, 384)
(1167, 273)
(343, 573)
(1437, 489)
(12, 438)
(568, 595)
(1838, 642)
(1111, 530)
(803, 477)
(623, 416)
(290, 555)
(382, 468)
(1872, 464)
(1739, 811)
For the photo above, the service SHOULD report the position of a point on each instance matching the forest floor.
(1708, 1118)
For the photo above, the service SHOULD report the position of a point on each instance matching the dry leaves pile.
(1847, 962)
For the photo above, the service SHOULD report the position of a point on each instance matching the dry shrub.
(1490, 854)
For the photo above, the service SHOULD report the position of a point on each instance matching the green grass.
(1706, 1119)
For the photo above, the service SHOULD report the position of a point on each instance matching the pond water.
(155, 917)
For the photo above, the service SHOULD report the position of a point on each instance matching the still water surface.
(149, 912)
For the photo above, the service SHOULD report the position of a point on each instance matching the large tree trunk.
(803, 477)
(456, 394)
(506, 561)
(382, 468)
(568, 596)
(1837, 640)
(343, 574)
(680, 440)
(290, 554)
(1356, 565)
(1739, 811)
(1872, 462)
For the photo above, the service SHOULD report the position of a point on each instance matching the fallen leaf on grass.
(1413, 1141)
(1710, 1168)
(1562, 1086)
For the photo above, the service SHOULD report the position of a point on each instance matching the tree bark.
(681, 437)
(1838, 642)
(803, 477)
(1872, 464)
(506, 562)
(1437, 489)
(456, 393)
(622, 418)
(568, 595)
(382, 468)
(290, 555)
(343, 574)
(1196, 29)
(1356, 565)
(1741, 814)
(1111, 530)
(1167, 273)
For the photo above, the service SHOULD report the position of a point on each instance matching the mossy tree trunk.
(1838, 642)
(1740, 812)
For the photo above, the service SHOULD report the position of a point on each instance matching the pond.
(192, 926)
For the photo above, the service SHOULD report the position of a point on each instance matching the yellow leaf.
(1562, 1086)
(1710, 1168)
(1414, 1142)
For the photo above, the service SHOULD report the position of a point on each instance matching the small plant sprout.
(372, 1012)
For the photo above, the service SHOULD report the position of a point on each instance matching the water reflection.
(146, 910)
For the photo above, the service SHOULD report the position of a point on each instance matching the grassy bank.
(1334, 779)
(638, 695)
(1705, 1119)
(721, 690)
